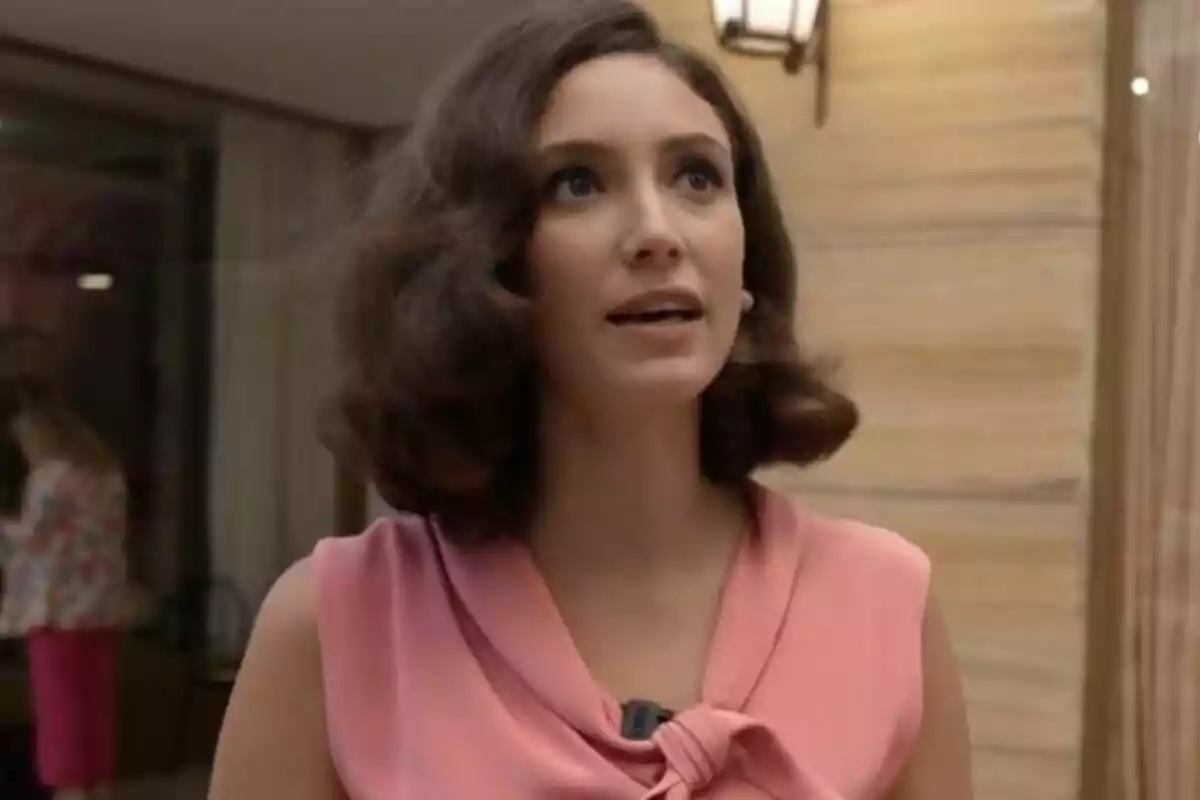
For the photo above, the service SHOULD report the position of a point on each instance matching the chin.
(665, 381)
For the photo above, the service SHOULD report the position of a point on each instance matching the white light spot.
(95, 282)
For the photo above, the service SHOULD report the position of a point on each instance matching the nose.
(652, 240)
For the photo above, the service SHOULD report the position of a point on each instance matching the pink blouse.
(449, 673)
(64, 559)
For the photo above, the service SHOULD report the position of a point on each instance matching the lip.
(659, 299)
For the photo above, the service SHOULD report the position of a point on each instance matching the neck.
(625, 491)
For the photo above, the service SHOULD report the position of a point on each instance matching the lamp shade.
(769, 27)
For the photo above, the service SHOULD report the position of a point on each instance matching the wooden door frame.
(1107, 497)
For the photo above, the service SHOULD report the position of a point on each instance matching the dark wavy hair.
(438, 402)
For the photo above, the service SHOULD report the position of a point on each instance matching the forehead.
(626, 98)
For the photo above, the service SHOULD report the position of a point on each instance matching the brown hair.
(27, 352)
(40, 407)
(438, 402)
(30, 395)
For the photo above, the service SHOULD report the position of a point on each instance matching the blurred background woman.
(64, 583)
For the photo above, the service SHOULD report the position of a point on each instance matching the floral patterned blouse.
(64, 559)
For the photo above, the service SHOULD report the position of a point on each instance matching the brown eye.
(572, 184)
(701, 175)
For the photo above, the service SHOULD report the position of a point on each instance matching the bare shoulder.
(273, 742)
(288, 614)
(939, 765)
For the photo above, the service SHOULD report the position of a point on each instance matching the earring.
(747, 301)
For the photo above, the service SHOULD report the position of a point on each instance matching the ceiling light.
(95, 282)
(1140, 86)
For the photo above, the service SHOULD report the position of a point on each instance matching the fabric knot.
(695, 746)
(699, 744)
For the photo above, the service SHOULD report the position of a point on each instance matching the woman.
(569, 341)
(64, 584)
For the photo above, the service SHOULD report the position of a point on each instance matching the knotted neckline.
(502, 590)
(700, 743)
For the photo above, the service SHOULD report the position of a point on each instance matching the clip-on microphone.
(640, 718)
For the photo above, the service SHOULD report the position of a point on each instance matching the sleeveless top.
(64, 559)
(450, 675)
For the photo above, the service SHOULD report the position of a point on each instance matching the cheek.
(558, 262)
(564, 284)
(724, 255)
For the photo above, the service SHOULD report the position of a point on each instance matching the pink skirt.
(72, 675)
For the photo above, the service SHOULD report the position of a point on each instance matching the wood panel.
(946, 220)
(1003, 402)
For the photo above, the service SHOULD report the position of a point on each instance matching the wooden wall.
(947, 220)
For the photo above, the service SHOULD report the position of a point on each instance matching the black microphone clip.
(640, 718)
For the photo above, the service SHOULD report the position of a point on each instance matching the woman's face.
(636, 257)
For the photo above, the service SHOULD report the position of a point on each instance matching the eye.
(701, 175)
(573, 183)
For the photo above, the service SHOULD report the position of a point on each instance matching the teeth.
(657, 315)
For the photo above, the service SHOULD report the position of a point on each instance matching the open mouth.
(663, 307)
(659, 316)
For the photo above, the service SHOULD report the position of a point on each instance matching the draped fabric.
(282, 189)
(1153, 736)
(449, 672)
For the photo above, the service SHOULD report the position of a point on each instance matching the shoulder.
(366, 564)
(285, 629)
(396, 536)
(113, 481)
(364, 593)
(273, 737)
(862, 555)
(360, 588)
(875, 580)
(50, 489)
(880, 584)
(49, 475)
(288, 613)
(59, 477)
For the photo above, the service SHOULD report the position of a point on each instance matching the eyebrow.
(585, 147)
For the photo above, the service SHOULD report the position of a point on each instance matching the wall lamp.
(794, 31)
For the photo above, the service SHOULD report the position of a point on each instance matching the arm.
(939, 766)
(273, 742)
